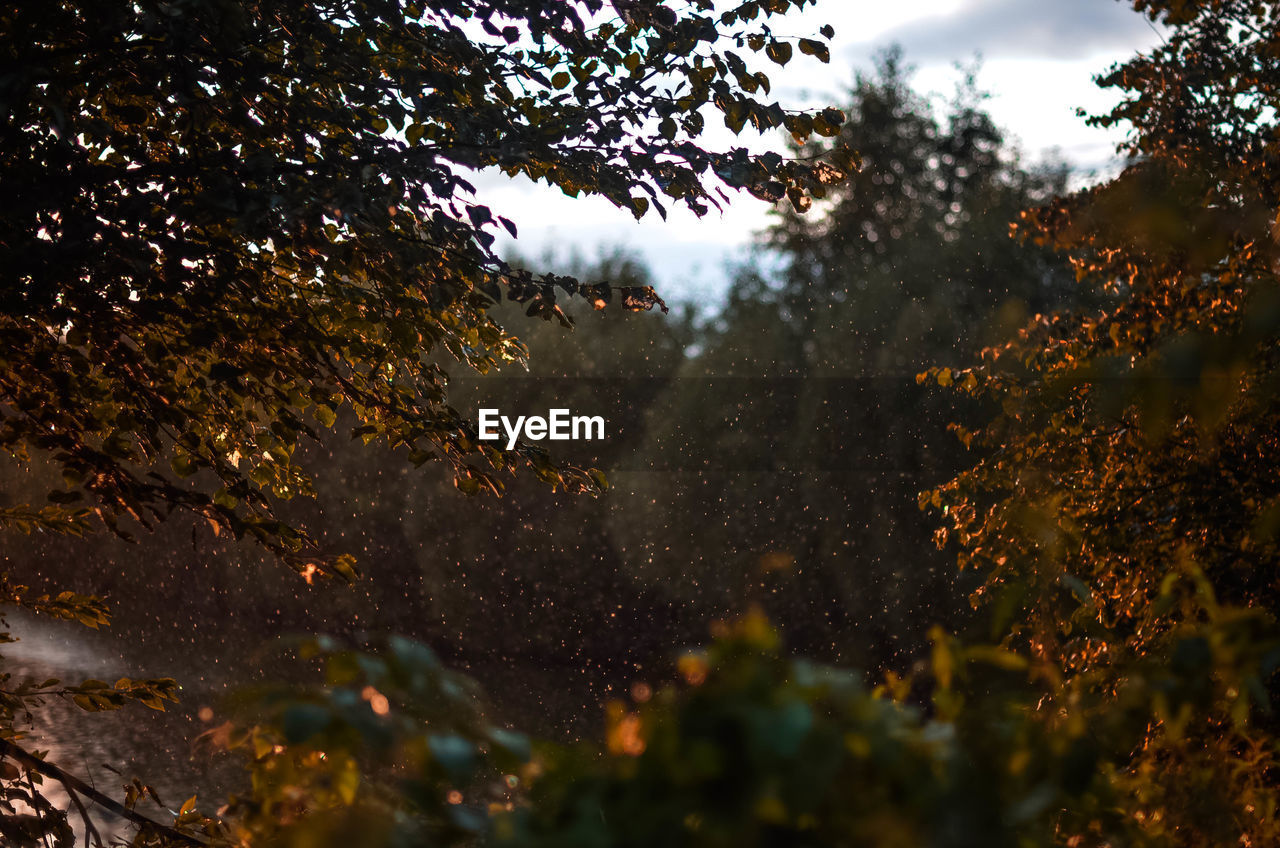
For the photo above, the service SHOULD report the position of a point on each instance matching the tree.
(750, 747)
(1125, 519)
(1122, 513)
(797, 432)
(227, 225)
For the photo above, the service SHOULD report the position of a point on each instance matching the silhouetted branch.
(74, 784)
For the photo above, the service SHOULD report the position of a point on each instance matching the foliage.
(912, 250)
(230, 227)
(28, 817)
(750, 749)
(805, 504)
(794, 442)
(756, 750)
(377, 756)
(1121, 511)
(1125, 517)
(228, 222)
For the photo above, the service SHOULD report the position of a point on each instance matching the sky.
(1037, 62)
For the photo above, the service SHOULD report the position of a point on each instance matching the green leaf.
(183, 465)
(326, 415)
(301, 722)
(455, 754)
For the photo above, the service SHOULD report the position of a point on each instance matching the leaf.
(943, 656)
(301, 722)
(779, 52)
(455, 754)
(515, 744)
(800, 201)
(815, 48)
(183, 465)
(347, 782)
(326, 415)
(999, 657)
(1078, 588)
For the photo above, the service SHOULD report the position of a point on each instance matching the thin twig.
(44, 831)
(75, 784)
(89, 830)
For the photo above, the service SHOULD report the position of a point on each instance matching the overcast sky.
(1038, 58)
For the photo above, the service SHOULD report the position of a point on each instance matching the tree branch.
(90, 832)
(74, 784)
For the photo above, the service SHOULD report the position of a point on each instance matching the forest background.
(768, 455)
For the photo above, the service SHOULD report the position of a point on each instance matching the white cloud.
(1039, 59)
(1028, 29)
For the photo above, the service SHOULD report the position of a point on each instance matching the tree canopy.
(1125, 517)
(800, 408)
(229, 227)
(227, 224)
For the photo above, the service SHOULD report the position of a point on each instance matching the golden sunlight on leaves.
(692, 668)
(624, 736)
